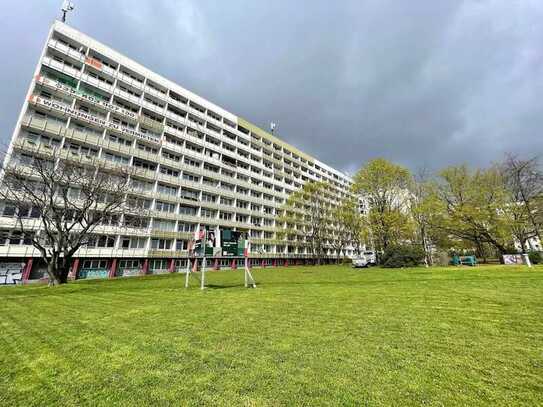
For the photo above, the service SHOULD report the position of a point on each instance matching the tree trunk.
(58, 269)
(52, 273)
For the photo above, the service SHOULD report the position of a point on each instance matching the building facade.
(198, 164)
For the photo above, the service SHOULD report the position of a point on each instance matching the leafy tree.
(472, 206)
(384, 186)
(402, 256)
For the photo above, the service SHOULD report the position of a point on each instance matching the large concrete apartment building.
(199, 164)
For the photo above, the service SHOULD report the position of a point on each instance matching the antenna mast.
(66, 6)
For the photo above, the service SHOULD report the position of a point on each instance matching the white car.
(371, 257)
(360, 261)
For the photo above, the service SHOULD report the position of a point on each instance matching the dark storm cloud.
(424, 83)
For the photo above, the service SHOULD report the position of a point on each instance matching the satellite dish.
(66, 6)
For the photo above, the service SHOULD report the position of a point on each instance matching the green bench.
(463, 261)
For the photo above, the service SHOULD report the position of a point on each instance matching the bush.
(402, 256)
(535, 257)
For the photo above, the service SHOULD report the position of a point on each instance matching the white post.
(203, 274)
(187, 274)
(246, 268)
(526, 259)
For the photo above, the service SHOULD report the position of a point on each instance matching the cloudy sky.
(424, 83)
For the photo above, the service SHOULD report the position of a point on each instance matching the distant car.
(371, 257)
(360, 261)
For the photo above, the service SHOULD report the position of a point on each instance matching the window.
(123, 123)
(133, 242)
(241, 218)
(193, 147)
(164, 225)
(227, 201)
(116, 139)
(209, 181)
(191, 177)
(116, 158)
(191, 162)
(208, 197)
(189, 194)
(158, 265)
(94, 264)
(173, 140)
(146, 148)
(167, 189)
(229, 187)
(8, 210)
(211, 168)
(139, 203)
(165, 207)
(142, 186)
(171, 156)
(161, 244)
(129, 264)
(146, 165)
(181, 244)
(187, 210)
(103, 241)
(186, 227)
(169, 171)
(226, 215)
(208, 213)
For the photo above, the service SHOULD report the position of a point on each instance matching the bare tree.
(58, 202)
(524, 181)
(348, 225)
(421, 211)
(307, 212)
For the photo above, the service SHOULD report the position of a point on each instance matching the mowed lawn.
(306, 336)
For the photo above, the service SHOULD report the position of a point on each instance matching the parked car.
(360, 261)
(371, 257)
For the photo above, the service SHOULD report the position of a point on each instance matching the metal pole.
(203, 245)
(246, 268)
(187, 274)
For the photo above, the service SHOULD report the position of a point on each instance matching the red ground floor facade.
(34, 270)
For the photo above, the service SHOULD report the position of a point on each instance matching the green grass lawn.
(306, 336)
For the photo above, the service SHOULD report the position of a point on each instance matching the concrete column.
(112, 268)
(27, 269)
(145, 267)
(73, 272)
(171, 266)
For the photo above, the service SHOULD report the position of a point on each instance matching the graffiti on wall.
(11, 273)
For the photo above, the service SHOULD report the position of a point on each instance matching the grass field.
(307, 335)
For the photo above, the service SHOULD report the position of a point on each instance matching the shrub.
(535, 257)
(402, 256)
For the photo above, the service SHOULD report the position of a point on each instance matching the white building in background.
(198, 163)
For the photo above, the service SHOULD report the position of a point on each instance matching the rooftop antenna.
(66, 6)
(272, 127)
